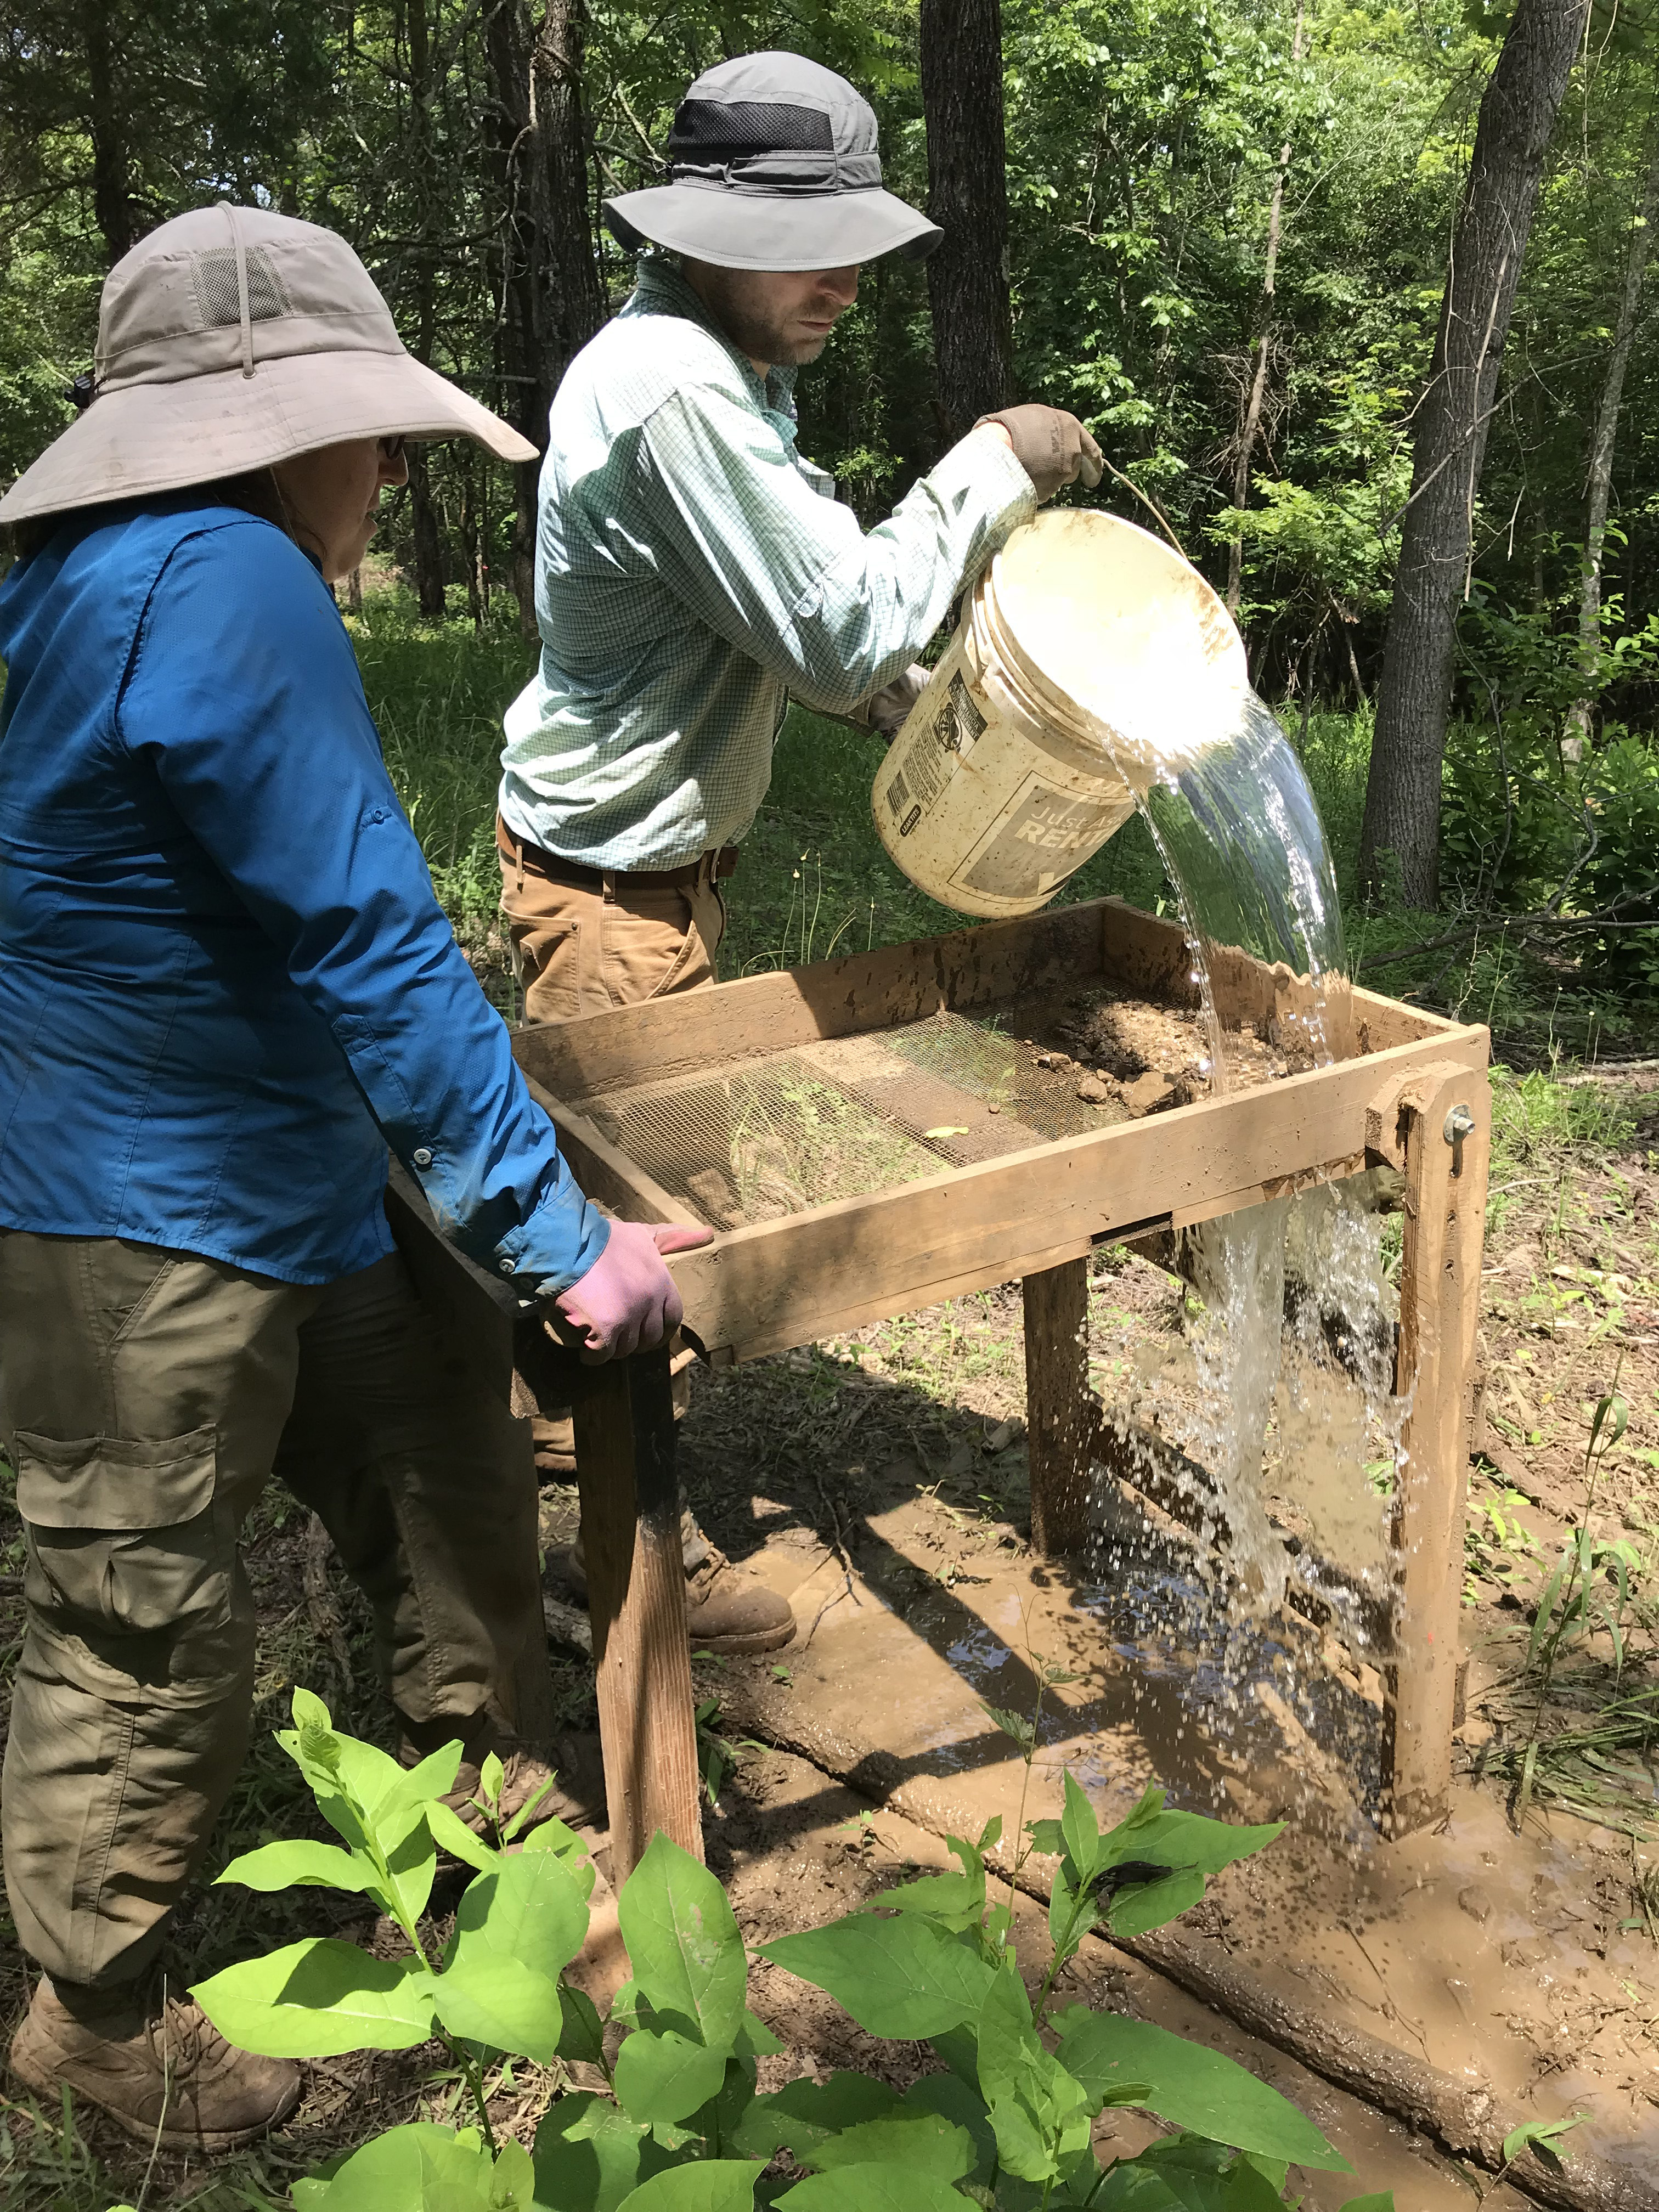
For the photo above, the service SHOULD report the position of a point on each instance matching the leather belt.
(712, 866)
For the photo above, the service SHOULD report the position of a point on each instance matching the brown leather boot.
(160, 2069)
(727, 1611)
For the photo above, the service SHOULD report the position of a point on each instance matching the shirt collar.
(663, 290)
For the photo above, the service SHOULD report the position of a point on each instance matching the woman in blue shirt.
(226, 987)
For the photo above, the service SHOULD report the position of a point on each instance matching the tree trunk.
(571, 300)
(423, 508)
(552, 299)
(428, 539)
(1517, 115)
(1599, 483)
(113, 204)
(1250, 411)
(968, 197)
(525, 397)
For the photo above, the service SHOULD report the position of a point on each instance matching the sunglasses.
(391, 449)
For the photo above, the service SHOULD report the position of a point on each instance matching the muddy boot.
(727, 1611)
(150, 2065)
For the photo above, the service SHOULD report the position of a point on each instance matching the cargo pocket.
(123, 1538)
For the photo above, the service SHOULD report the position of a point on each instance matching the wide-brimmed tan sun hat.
(228, 339)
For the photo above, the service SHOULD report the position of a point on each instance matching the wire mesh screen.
(845, 1116)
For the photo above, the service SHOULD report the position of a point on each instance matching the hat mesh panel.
(747, 126)
(219, 297)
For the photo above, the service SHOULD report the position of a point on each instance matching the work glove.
(1052, 447)
(884, 711)
(628, 1301)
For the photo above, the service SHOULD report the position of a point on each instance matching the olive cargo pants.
(146, 1397)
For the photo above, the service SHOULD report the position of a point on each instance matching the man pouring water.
(695, 573)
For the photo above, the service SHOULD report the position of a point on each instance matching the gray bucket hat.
(774, 167)
(228, 339)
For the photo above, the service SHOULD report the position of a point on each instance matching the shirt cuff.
(982, 465)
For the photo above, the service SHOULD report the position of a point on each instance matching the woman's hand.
(628, 1301)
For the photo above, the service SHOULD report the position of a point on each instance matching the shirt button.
(507, 1266)
(422, 1157)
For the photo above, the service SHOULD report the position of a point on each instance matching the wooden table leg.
(1060, 1416)
(630, 1509)
(1444, 1130)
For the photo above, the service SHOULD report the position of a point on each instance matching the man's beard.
(761, 337)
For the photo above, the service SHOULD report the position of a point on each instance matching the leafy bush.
(1006, 2126)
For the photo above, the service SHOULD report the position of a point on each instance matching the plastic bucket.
(1090, 660)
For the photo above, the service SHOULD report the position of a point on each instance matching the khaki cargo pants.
(578, 949)
(146, 1397)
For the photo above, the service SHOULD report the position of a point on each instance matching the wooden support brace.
(1438, 1127)
(630, 1509)
(1060, 1417)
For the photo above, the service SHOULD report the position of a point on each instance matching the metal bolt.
(1460, 1123)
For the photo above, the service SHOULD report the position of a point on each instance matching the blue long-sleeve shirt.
(225, 982)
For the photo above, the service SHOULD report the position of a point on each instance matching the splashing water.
(1286, 1321)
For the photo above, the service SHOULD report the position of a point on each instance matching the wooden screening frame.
(1414, 1095)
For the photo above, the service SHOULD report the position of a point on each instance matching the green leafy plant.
(681, 2125)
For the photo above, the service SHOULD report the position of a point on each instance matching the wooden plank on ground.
(782, 1283)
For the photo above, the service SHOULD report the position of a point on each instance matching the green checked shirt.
(693, 572)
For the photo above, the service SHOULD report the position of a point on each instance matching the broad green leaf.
(1196, 2088)
(1021, 2146)
(552, 1835)
(582, 2035)
(416, 2165)
(1039, 2113)
(411, 1857)
(1143, 1905)
(683, 1942)
(905, 1979)
(1382, 2201)
(590, 2154)
(301, 1865)
(804, 2114)
(709, 2184)
(1008, 2043)
(1079, 1831)
(957, 1901)
(451, 1833)
(1203, 2176)
(920, 2140)
(494, 1999)
(319, 1999)
(527, 1907)
(1182, 1841)
(753, 2038)
(871, 2189)
(959, 2102)
(433, 1778)
(665, 2076)
(1071, 1913)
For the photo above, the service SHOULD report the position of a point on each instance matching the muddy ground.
(880, 1482)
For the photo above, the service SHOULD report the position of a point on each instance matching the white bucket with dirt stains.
(1089, 662)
